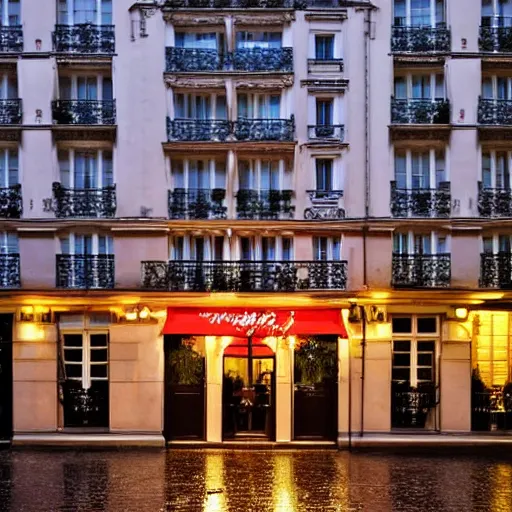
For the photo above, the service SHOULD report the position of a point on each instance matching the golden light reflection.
(271, 341)
(215, 500)
(283, 490)
(501, 478)
(30, 332)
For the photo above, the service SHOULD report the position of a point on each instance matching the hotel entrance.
(248, 390)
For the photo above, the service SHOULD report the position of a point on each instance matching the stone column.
(214, 370)
(284, 376)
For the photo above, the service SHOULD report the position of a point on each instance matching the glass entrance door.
(248, 390)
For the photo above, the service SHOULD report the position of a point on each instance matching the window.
(495, 244)
(86, 244)
(249, 40)
(86, 169)
(419, 243)
(496, 13)
(79, 87)
(326, 248)
(259, 106)
(9, 243)
(420, 87)
(198, 174)
(79, 12)
(9, 175)
(419, 13)
(414, 349)
(497, 87)
(197, 248)
(263, 175)
(200, 106)
(419, 169)
(496, 169)
(200, 40)
(324, 111)
(324, 47)
(10, 13)
(324, 175)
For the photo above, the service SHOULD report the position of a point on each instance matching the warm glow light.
(131, 316)
(461, 313)
(28, 310)
(30, 332)
(292, 340)
(144, 313)
(380, 295)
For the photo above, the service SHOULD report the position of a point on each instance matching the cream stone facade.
(267, 157)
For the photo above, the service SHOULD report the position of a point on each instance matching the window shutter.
(13, 178)
(108, 169)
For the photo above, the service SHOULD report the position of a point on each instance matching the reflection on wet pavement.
(250, 481)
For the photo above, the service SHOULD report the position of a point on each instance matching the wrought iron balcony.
(89, 112)
(421, 270)
(85, 271)
(494, 202)
(496, 270)
(496, 34)
(422, 202)
(198, 130)
(197, 203)
(263, 59)
(11, 204)
(241, 276)
(324, 205)
(323, 132)
(420, 40)
(412, 111)
(194, 59)
(10, 111)
(281, 130)
(10, 271)
(84, 38)
(410, 406)
(11, 39)
(88, 202)
(231, 4)
(264, 204)
(497, 112)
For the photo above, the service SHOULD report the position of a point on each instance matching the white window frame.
(495, 16)
(255, 166)
(495, 240)
(432, 165)
(6, 242)
(5, 14)
(330, 248)
(188, 244)
(256, 98)
(409, 85)
(407, 242)
(4, 173)
(338, 41)
(71, 12)
(494, 80)
(100, 77)
(5, 88)
(188, 115)
(493, 154)
(257, 248)
(215, 170)
(414, 337)
(72, 153)
(408, 11)
(95, 243)
(337, 108)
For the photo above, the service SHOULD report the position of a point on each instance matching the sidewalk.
(88, 440)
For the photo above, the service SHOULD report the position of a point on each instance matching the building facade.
(255, 219)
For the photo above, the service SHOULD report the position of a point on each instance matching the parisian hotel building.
(277, 220)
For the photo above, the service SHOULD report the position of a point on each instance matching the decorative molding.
(407, 61)
(75, 133)
(276, 18)
(434, 132)
(264, 83)
(337, 17)
(325, 85)
(195, 82)
(184, 19)
(10, 134)
(495, 133)
(223, 147)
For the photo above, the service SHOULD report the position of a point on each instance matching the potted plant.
(315, 362)
(186, 365)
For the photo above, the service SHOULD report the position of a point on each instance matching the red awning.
(257, 322)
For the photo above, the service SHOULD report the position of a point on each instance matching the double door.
(5, 376)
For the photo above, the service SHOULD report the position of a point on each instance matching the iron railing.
(496, 270)
(198, 130)
(231, 4)
(85, 271)
(241, 276)
(84, 38)
(11, 204)
(263, 59)
(494, 202)
(421, 270)
(492, 111)
(324, 205)
(420, 40)
(491, 410)
(281, 130)
(496, 34)
(334, 63)
(418, 111)
(197, 203)
(194, 59)
(422, 202)
(334, 132)
(84, 112)
(10, 111)
(410, 408)
(264, 204)
(11, 39)
(87, 202)
(10, 271)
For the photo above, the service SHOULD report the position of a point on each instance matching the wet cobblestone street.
(251, 481)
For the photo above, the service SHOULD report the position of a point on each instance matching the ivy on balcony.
(94, 203)
(419, 111)
(11, 39)
(10, 111)
(497, 112)
(88, 112)
(496, 270)
(495, 39)
(494, 202)
(11, 204)
(420, 40)
(84, 38)
(424, 202)
(421, 270)
(197, 203)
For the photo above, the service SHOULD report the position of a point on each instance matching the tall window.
(419, 13)
(80, 12)
(420, 86)
(324, 46)
(497, 243)
(324, 175)
(497, 13)
(324, 111)
(259, 106)
(86, 244)
(198, 174)
(198, 248)
(79, 87)
(419, 243)
(263, 175)
(199, 40)
(326, 248)
(265, 248)
(199, 106)
(249, 40)
(10, 13)
(496, 169)
(9, 174)
(86, 169)
(419, 169)
(414, 349)
(497, 87)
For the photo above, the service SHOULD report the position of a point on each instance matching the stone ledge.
(89, 440)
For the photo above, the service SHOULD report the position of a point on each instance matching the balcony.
(235, 4)
(194, 204)
(421, 270)
(264, 204)
(190, 60)
(423, 202)
(11, 204)
(84, 112)
(420, 40)
(263, 59)
(10, 112)
(413, 111)
(325, 65)
(241, 276)
(84, 39)
(496, 34)
(10, 271)
(326, 132)
(411, 406)
(11, 39)
(85, 271)
(324, 205)
(84, 203)
(497, 112)
(198, 130)
(496, 270)
(279, 130)
(494, 202)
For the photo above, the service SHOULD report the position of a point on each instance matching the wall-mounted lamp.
(458, 313)
(39, 314)
(137, 314)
